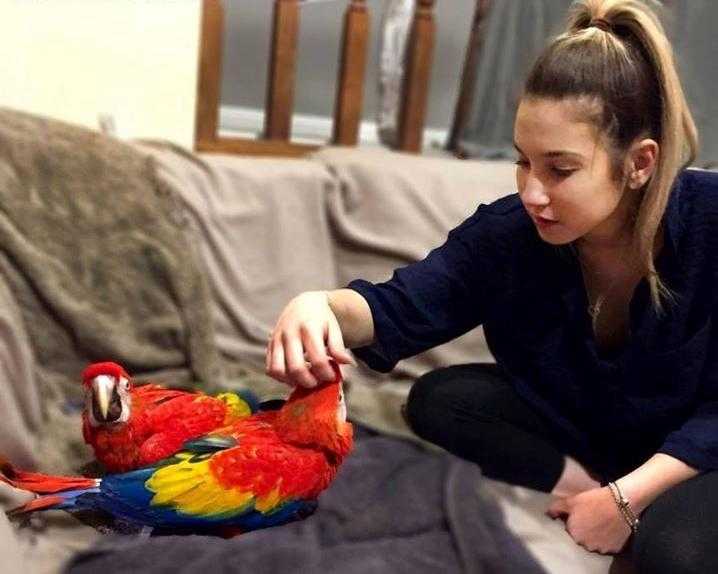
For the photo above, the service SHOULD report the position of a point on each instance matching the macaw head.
(107, 394)
(317, 417)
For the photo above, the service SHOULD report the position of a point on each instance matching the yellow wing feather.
(191, 488)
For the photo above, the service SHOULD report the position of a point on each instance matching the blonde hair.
(615, 56)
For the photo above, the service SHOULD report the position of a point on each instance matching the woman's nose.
(534, 193)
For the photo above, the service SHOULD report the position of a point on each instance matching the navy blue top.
(658, 394)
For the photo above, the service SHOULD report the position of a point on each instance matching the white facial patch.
(106, 385)
(342, 409)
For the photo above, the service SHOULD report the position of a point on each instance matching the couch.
(177, 264)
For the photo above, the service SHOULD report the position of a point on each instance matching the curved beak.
(102, 391)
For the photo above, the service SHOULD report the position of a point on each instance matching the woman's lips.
(544, 223)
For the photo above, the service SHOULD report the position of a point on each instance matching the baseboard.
(248, 122)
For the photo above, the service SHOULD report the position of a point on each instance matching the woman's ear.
(643, 158)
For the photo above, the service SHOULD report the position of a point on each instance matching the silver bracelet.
(624, 506)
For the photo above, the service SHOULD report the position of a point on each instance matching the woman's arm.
(593, 518)
(655, 476)
(353, 315)
(313, 329)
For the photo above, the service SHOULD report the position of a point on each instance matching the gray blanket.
(93, 250)
(393, 507)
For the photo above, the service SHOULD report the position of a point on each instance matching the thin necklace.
(594, 309)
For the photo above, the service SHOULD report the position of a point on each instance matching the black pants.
(473, 412)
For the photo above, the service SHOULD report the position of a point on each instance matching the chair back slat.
(209, 78)
(420, 52)
(279, 105)
(352, 70)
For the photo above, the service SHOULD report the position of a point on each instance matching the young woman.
(596, 286)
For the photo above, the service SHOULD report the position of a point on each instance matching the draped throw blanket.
(93, 251)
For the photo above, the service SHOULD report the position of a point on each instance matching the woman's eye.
(561, 172)
(522, 163)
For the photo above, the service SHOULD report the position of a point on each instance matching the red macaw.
(264, 470)
(132, 426)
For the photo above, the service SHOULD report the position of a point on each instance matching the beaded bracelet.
(624, 507)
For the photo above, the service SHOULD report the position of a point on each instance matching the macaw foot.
(227, 532)
(145, 533)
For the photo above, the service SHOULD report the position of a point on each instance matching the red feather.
(40, 483)
(161, 421)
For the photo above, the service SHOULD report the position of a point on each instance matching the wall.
(77, 59)
(246, 47)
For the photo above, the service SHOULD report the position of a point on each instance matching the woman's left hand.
(592, 520)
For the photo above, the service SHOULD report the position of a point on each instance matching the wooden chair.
(276, 139)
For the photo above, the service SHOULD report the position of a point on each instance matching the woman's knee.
(677, 532)
(674, 551)
(424, 403)
(443, 396)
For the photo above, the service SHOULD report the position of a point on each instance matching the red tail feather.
(41, 483)
(37, 504)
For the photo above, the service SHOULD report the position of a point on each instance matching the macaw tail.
(41, 483)
(66, 500)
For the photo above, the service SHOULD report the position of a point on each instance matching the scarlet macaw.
(132, 426)
(264, 470)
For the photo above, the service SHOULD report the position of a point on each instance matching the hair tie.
(601, 24)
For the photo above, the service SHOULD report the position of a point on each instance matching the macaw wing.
(150, 394)
(192, 413)
(254, 484)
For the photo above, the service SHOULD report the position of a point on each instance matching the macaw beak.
(106, 406)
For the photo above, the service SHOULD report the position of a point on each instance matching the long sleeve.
(443, 296)
(695, 442)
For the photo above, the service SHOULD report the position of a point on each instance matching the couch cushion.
(264, 233)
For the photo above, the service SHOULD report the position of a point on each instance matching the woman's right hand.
(305, 339)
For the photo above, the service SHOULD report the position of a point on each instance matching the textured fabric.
(659, 394)
(264, 235)
(95, 258)
(20, 404)
(392, 508)
(93, 249)
(44, 544)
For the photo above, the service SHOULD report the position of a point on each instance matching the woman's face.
(564, 175)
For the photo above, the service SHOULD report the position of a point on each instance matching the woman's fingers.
(305, 340)
(275, 356)
(296, 366)
(316, 354)
(558, 509)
